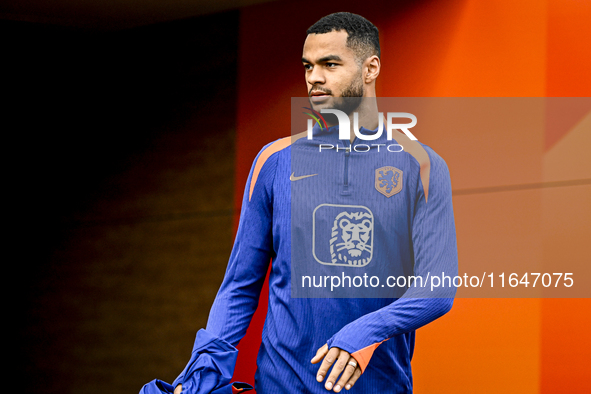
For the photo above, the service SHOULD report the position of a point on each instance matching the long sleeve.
(238, 296)
(435, 253)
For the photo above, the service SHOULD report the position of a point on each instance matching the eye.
(307, 67)
(331, 65)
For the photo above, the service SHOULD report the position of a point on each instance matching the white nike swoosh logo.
(297, 178)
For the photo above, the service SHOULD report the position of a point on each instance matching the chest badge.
(342, 235)
(388, 180)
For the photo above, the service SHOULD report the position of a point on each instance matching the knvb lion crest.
(342, 235)
(351, 240)
(388, 180)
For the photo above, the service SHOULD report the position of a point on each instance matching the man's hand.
(344, 363)
(178, 389)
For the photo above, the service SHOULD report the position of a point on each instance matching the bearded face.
(333, 73)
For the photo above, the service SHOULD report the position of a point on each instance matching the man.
(362, 341)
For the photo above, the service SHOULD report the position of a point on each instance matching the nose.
(315, 76)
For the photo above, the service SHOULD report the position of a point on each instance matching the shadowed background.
(134, 130)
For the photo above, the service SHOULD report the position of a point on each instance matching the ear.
(371, 69)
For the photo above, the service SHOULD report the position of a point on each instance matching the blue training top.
(345, 229)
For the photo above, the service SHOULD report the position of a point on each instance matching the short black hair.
(363, 37)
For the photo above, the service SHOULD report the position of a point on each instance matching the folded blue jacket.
(209, 370)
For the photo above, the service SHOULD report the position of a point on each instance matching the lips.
(318, 95)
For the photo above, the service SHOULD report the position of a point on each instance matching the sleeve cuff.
(362, 356)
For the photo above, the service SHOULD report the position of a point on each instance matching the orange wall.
(462, 48)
